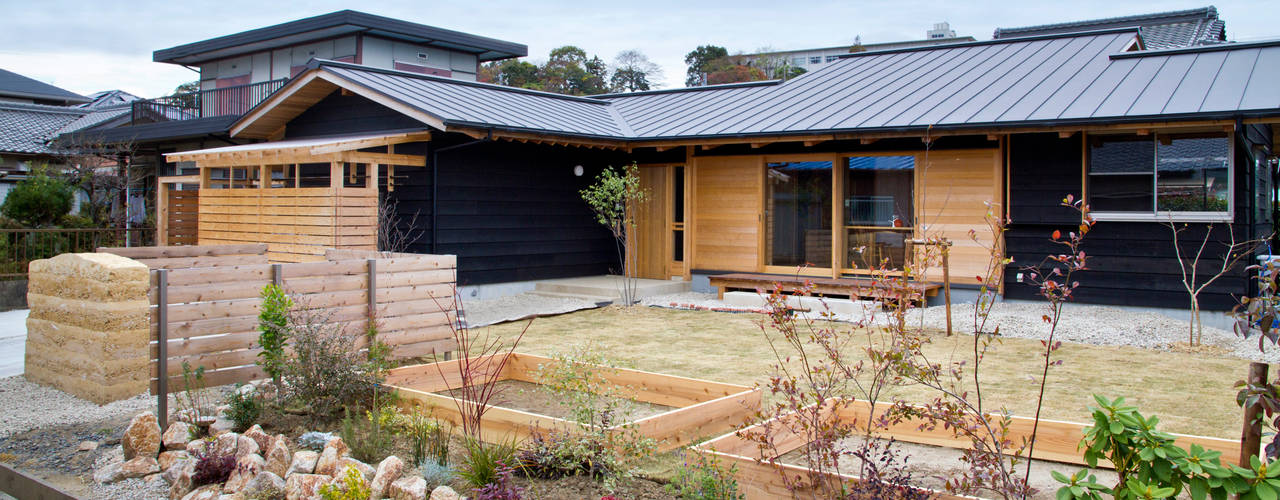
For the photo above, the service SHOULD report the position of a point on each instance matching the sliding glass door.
(878, 211)
(798, 214)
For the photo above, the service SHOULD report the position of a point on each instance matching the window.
(797, 61)
(1186, 175)
(815, 60)
(798, 214)
(879, 210)
(832, 58)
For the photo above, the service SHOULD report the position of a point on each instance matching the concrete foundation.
(607, 288)
(89, 326)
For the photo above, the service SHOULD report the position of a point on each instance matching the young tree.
(39, 200)
(703, 60)
(633, 71)
(614, 198)
(1232, 253)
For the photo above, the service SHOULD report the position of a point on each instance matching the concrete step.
(589, 298)
(610, 286)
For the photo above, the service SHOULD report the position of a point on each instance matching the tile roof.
(26, 128)
(1028, 81)
(1161, 30)
(15, 85)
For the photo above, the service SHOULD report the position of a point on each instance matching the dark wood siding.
(350, 114)
(1131, 263)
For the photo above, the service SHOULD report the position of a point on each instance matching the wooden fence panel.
(194, 256)
(212, 312)
(297, 224)
(184, 217)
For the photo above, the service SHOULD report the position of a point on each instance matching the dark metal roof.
(334, 24)
(27, 128)
(1160, 30)
(155, 132)
(15, 85)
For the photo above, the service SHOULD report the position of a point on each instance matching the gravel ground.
(502, 309)
(1098, 325)
(28, 405)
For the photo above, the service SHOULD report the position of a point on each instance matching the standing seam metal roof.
(1063, 79)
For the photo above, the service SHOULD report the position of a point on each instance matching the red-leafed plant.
(479, 366)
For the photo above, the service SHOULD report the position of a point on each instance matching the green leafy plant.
(351, 486)
(558, 454)
(614, 198)
(327, 370)
(429, 441)
(372, 435)
(39, 200)
(705, 479)
(194, 398)
(244, 408)
(273, 328)
(483, 460)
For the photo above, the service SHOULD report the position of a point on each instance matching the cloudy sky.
(90, 45)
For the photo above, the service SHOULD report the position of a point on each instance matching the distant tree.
(701, 61)
(633, 71)
(39, 200)
(192, 86)
(774, 66)
(570, 71)
(185, 95)
(735, 73)
(512, 73)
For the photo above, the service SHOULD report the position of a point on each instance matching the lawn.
(1191, 393)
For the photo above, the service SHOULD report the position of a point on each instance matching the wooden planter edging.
(703, 408)
(1056, 441)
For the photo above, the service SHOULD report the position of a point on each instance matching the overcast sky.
(90, 45)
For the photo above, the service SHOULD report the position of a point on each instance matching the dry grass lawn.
(1191, 393)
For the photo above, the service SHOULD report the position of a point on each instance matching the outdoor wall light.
(577, 170)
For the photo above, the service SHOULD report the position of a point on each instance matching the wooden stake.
(1251, 434)
(946, 281)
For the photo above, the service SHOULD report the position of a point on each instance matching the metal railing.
(18, 247)
(235, 100)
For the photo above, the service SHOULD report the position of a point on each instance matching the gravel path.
(28, 406)
(502, 309)
(1098, 325)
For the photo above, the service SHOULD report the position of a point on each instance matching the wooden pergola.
(298, 196)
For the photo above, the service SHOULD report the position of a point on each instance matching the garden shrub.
(371, 436)
(39, 200)
(436, 475)
(244, 408)
(211, 467)
(351, 486)
(327, 371)
(483, 461)
(501, 488)
(194, 397)
(704, 479)
(273, 328)
(315, 440)
(560, 454)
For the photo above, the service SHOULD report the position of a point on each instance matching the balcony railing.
(227, 101)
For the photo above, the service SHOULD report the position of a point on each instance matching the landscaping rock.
(153, 479)
(259, 436)
(304, 486)
(409, 488)
(443, 492)
(141, 437)
(221, 426)
(197, 447)
(180, 479)
(246, 468)
(139, 467)
(87, 446)
(278, 457)
(175, 469)
(263, 484)
(388, 472)
(206, 492)
(168, 458)
(304, 462)
(109, 473)
(246, 446)
(225, 444)
(366, 470)
(333, 451)
(176, 436)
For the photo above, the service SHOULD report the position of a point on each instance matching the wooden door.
(728, 202)
(652, 221)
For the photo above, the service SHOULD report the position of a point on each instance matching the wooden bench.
(853, 288)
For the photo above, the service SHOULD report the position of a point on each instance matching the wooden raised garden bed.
(1057, 441)
(692, 409)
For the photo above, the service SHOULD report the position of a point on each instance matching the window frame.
(1156, 215)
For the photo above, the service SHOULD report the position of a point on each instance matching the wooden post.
(946, 280)
(162, 358)
(373, 290)
(162, 213)
(1251, 435)
(277, 275)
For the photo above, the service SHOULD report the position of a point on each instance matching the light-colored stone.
(263, 482)
(278, 457)
(177, 467)
(139, 467)
(246, 468)
(198, 447)
(304, 462)
(366, 470)
(109, 473)
(263, 439)
(180, 478)
(168, 458)
(142, 437)
(409, 488)
(389, 470)
(206, 492)
(221, 426)
(176, 436)
(443, 492)
(154, 479)
(87, 446)
(225, 444)
(246, 446)
(304, 486)
(334, 450)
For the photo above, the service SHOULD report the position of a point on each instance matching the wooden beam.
(708, 147)
(1065, 134)
(993, 137)
(758, 145)
(1143, 131)
(867, 140)
(663, 148)
(815, 142)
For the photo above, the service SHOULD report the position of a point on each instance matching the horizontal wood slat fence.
(297, 224)
(183, 212)
(208, 315)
